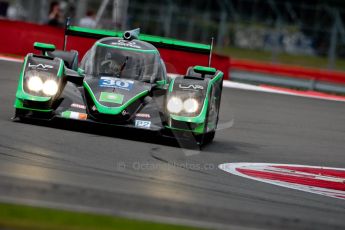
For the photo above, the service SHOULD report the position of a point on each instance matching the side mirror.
(44, 47)
(74, 77)
(204, 70)
(81, 71)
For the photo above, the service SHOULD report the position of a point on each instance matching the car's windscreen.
(123, 63)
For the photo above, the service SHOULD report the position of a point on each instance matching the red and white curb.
(324, 181)
(237, 85)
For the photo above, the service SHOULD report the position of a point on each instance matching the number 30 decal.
(116, 83)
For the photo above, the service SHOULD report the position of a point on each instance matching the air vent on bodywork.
(37, 104)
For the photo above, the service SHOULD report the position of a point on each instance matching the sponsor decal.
(191, 86)
(111, 97)
(143, 115)
(142, 124)
(324, 181)
(78, 106)
(74, 115)
(40, 66)
(125, 43)
(112, 82)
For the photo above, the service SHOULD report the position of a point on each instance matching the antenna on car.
(210, 56)
(67, 24)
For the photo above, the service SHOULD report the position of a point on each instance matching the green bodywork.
(21, 95)
(156, 40)
(112, 110)
(81, 71)
(198, 130)
(44, 46)
(199, 119)
(161, 83)
(203, 69)
(171, 85)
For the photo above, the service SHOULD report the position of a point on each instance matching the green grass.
(282, 58)
(19, 217)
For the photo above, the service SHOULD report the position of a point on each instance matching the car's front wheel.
(205, 138)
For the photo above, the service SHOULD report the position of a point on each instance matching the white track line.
(237, 85)
(11, 59)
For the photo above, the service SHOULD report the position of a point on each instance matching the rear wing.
(159, 42)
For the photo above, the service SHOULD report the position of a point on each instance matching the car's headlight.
(190, 105)
(35, 83)
(175, 105)
(50, 87)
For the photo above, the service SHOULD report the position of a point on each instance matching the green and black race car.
(121, 81)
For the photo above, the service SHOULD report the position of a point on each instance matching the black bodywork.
(122, 82)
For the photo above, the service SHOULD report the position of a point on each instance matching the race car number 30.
(112, 82)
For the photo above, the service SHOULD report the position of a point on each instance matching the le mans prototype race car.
(121, 81)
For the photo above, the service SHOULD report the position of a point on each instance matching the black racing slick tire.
(205, 138)
(209, 137)
(20, 114)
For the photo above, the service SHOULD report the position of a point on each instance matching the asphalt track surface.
(137, 175)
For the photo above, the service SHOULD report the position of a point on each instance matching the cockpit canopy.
(135, 60)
